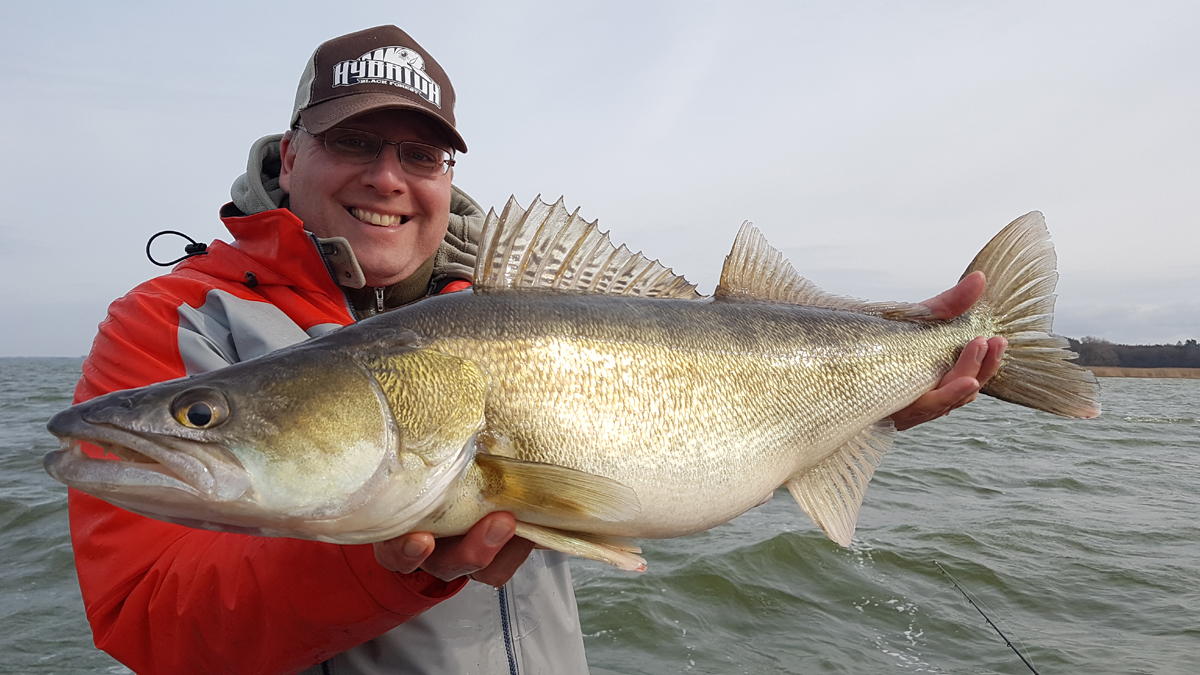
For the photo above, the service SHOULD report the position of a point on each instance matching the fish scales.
(703, 422)
(592, 393)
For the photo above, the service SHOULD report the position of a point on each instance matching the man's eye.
(419, 156)
(352, 144)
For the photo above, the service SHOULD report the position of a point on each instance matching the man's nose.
(385, 173)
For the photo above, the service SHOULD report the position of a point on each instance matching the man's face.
(336, 198)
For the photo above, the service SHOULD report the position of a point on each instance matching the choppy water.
(1081, 538)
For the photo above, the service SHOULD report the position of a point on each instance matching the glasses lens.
(353, 145)
(422, 159)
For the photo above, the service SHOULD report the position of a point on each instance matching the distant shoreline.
(1115, 371)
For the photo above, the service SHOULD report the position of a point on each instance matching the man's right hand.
(488, 552)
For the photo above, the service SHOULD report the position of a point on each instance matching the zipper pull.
(379, 301)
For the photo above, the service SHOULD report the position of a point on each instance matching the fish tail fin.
(1020, 267)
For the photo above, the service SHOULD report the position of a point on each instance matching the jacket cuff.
(404, 594)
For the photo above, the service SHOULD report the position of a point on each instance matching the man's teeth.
(383, 219)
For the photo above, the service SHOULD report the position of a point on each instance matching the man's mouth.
(380, 219)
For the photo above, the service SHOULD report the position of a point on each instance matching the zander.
(586, 389)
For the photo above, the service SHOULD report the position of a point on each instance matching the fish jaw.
(305, 445)
(205, 486)
(149, 463)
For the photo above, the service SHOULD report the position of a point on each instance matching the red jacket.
(164, 598)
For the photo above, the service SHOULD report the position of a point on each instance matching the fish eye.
(199, 414)
(201, 408)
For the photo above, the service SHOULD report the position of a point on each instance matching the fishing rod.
(985, 618)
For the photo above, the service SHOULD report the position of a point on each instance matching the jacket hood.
(258, 190)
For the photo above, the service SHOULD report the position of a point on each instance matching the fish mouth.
(147, 463)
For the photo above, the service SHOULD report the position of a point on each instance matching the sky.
(879, 145)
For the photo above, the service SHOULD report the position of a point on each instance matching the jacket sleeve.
(163, 598)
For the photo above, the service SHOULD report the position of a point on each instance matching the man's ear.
(287, 152)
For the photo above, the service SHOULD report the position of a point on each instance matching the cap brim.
(324, 116)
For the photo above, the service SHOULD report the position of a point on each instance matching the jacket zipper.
(506, 627)
(379, 300)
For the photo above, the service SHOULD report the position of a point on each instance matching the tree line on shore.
(1094, 351)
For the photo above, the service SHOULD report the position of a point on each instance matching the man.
(350, 213)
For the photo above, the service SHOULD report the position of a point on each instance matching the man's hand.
(979, 360)
(488, 552)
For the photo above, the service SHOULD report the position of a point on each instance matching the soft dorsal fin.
(832, 491)
(755, 270)
(548, 247)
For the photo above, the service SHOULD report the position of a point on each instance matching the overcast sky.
(878, 144)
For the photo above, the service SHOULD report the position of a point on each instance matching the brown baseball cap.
(373, 69)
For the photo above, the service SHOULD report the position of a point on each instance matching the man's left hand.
(979, 360)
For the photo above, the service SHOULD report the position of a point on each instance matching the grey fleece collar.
(258, 190)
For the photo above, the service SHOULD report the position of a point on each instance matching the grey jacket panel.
(227, 329)
(465, 635)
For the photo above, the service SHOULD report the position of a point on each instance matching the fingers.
(936, 403)
(506, 562)
(955, 301)
(979, 360)
(405, 553)
(488, 552)
(970, 360)
(991, 361)
(459, 556)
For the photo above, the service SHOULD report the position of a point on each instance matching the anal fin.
(615, 551)
(832, 491)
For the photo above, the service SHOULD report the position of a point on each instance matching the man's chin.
(380, 274)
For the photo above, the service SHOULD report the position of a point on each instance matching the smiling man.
(349, 213)
(392, 207)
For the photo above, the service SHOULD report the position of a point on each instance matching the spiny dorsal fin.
(548, 247)
(832, 491)
(755, 270)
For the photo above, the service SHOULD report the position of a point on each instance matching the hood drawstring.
(193, 249)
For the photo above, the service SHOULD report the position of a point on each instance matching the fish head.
(326, 444)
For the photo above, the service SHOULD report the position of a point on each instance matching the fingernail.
(413, 548)
(979, 353)
(497, 534)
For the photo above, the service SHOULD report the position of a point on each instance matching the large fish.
(586, 389)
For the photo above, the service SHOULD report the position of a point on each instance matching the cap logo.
(397, 66)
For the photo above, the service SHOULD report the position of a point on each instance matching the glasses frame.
(407, 167)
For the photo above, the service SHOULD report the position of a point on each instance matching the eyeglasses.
(362, 147)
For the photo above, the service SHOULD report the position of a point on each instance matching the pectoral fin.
(518, 485)
(612, 550)
(832, 491)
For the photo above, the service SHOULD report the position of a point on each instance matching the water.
(1080, 538)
